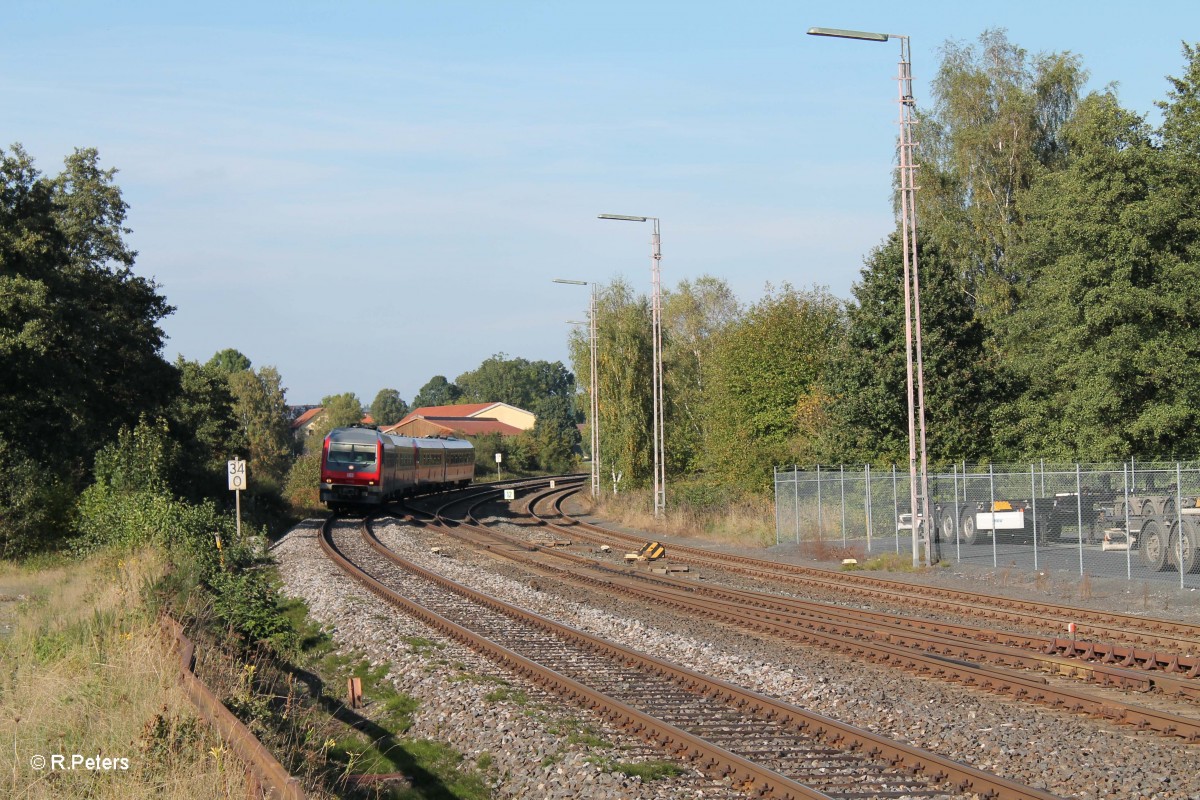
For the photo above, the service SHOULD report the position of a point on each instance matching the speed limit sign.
(237, 475)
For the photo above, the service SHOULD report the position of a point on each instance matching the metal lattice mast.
(660, 477)
(595, 398)
(918, 474)
(918, 478)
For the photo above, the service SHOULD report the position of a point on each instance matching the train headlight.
(370, 483)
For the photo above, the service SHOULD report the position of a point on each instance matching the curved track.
(765, 746)
(864, 636)
(1176, 645)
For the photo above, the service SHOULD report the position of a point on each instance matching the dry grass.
(748, 522)
(85, 671)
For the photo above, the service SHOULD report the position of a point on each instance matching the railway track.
(864, 636)
(764, 746)
(1148, 643)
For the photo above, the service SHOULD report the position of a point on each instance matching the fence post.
(1079, 515)
(778, 505)
(1179, 517)
(1126, 470)
(896, 508)
(992, 485)
(1033, 491)
(796, 499)
(843, 482)
(820, 514)
(957, 521)
(870, 509)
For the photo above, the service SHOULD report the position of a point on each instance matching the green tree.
(996, 124)
(80, 345)
(203, 423)
(1102, 344)
(338, 411)
(228, 361)
(516, 381)
(765, 370)
(301, 489)
(555, 436)
(694, 315)
(260, 407)
(866, 382)
(342, 410)
(624, 363)
(438, 391)
(387, 408)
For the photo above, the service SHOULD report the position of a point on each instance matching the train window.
(343, 453)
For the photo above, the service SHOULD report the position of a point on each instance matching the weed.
(1041, 581)
(890, 562)
(646, 770)
(420, 645)
(515, 696)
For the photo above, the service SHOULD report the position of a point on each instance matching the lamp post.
(660, 478)
(912, 286)
(594, 384)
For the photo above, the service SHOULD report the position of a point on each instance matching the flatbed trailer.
(1164, 528)
(1021, 519)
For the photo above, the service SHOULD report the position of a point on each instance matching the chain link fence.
(1138, 521)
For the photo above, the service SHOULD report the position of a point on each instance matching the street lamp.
(594, 404)
(660, 477)
(912, 285)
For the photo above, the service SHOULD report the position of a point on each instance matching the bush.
(301, 489)
(36, 505)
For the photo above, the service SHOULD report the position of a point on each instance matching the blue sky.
(366, 194)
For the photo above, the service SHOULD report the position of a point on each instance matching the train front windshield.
(360, 455)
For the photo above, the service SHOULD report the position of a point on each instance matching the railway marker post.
(237, 482)
(499, 458)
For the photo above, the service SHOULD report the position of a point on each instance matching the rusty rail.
(710, 758)
(275, 781)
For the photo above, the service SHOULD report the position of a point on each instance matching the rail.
(270, 775)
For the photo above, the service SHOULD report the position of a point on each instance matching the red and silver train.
(362, 467)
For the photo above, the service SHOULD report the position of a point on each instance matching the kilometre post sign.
(237, 475)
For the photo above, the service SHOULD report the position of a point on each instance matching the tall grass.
(719, 516)
(85, 671)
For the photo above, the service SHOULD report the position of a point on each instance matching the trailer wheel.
(1169, 510)
(970, 535)
(1190, 562)
(1154, 546)
(948, 531)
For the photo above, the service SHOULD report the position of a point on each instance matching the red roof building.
(503, 413)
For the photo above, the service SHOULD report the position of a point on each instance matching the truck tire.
(1169, 510)
(948, 530)
(970, 535)
(1190, 562)
(1154, 546)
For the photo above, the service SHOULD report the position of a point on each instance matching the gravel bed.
(1065, 754)
(538, 747)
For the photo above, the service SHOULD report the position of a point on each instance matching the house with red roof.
(464, 419)
(304, 425)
